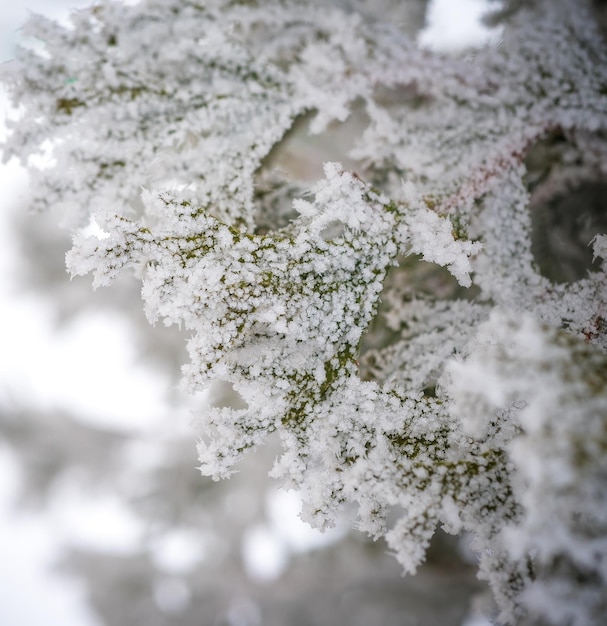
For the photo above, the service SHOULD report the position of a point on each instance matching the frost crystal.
(471, 396)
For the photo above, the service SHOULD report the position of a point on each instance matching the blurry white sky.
(67, 370)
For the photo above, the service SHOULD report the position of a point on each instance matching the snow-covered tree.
(472, 397)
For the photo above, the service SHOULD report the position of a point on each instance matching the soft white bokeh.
(31, 593)
(267, 547)
(451, 26)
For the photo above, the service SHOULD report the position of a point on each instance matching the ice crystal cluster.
(479, 402)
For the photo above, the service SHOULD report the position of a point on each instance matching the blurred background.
(104, 518)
